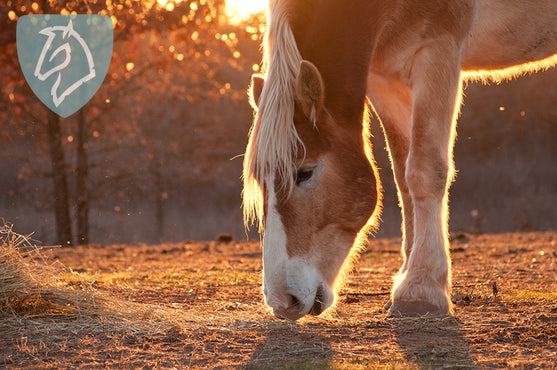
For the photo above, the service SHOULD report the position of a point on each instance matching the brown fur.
(410, 58)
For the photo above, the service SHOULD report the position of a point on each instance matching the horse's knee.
(427, 177)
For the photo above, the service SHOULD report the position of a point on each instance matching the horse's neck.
(339, 40)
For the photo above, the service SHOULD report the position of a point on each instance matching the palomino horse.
(309, 175)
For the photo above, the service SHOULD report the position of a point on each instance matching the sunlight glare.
(168, 5)
(240, 10)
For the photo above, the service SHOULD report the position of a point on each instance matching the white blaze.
(284, 277)
(302, 281)
(274, 254)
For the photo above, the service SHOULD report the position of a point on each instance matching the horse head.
(314, 211)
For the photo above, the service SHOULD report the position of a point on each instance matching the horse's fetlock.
(419, 294)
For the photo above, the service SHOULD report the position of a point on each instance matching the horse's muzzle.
(298, 306)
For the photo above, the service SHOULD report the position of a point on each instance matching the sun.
(239, 10)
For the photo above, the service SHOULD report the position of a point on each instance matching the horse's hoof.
(416, 308)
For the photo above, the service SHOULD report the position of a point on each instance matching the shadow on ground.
(433, 341)
(291, 346)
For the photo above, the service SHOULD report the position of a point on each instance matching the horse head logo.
(66, 33)
(64, 58)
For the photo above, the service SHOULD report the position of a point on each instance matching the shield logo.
(64, 58)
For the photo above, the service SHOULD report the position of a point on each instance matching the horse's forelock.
(273, 140)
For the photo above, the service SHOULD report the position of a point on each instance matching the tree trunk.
(159, 196)
(59, 177)
(82, 194)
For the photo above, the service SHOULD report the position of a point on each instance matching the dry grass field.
(198, 305)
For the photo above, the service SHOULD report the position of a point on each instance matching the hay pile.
(29, 283)
(30, 287)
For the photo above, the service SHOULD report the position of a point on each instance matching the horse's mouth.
(298, 308)
(318, 304)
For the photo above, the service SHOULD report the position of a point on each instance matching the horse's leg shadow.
(433, 341)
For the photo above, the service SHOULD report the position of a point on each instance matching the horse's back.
(497, 38)
(507, 33)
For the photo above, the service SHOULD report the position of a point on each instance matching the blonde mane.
(273, 140)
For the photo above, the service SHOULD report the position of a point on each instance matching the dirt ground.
(199, 305)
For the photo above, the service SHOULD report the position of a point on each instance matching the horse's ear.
(257, 82)
(310, 91)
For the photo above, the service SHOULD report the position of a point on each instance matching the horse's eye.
(303, 175)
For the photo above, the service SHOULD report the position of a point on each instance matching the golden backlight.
(236, 10)
(240, 10)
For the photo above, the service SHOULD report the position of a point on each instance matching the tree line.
(154, 125)
(156, 154)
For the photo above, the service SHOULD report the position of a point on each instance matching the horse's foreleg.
(426, 284)
(393, 103)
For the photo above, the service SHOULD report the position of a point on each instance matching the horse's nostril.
(291, 311)
(292, 300)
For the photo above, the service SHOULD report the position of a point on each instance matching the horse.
(309, 177)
